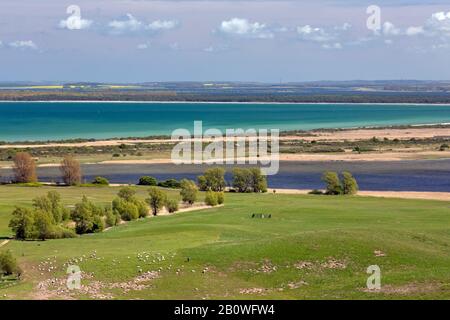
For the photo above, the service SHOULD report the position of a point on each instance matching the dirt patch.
(406, 289)
(56, 288)
(260, 291)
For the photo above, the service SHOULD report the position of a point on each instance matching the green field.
(313, 247)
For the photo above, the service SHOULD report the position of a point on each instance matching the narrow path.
(4, 243)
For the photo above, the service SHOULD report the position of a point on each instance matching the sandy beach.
(442, 196)
(324, 135)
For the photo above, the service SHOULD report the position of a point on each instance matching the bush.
(157, 199)
(315, 191)
(8, 264)
(111, 219)
(127, 210)
(443, 147)
(249, 180)
(70, 171)
(333, 183)
(22, 223)
(213, 179)
(127, 193)
(172, 205)
(349, 184)
(170, 184)
(211, 198)
(148, 181)
(188, 191)
(220, 198)
(101, 181)
(86, 216)
(24, 168)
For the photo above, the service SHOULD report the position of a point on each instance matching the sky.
(131, 41)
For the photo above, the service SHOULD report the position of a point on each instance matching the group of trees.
(43, 221)
(126, 206)
(24, 168)
(249, 180)
(244, 180)
(8, 264)
(336, 186)
(151, 181)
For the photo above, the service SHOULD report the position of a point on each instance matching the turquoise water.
(61, 120)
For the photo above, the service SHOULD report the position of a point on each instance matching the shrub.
(315, 191)
(8, 264)
(110, 219)
(148, 181)
(127, 193)
(24, 168)
(220, 197)
(188, 191)
(100, 181)
(127, 210)
(170, 183)
(157, 199)
(211, 198)
(44, 227)
(172, 205)
(85, 215)
(349, 184)
(333, 183)
(249, 180)
(22, 223)
(213, 179)
(443, 147)
(70, 171)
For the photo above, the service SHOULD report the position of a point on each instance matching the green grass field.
(313, 247)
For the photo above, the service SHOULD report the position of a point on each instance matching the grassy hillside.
(312, 247)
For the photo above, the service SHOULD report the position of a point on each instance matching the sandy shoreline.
(324, 135)
(442, 196)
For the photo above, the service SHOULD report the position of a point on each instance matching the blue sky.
(182, 40)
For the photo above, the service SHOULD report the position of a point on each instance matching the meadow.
(312, 247)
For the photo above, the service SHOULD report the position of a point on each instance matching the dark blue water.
(427, 175)
(55, 121)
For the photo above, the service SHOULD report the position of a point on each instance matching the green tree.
(189, 191)
(211, 198)
(157, 199)
(22, 223)
(44, 225)
(172, 205)
(349, 184)
(220, 197)
(213, 179)
(8, 264)
(258, 180)
(101, 181)
(242, 180)
(83, 216)
(127, 193)
(333, 184)
(148, 181)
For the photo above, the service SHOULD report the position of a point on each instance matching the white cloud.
(439, 23)
(389, 29)
(143, 46)
(131, 24)
(413, 31)
(162, 25)
(336, 46)
(314, 34)
(245, 28)
(23, 44)
(75, 23)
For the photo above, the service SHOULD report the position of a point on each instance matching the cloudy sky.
(253, 40)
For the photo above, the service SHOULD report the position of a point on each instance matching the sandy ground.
(351, 135)
(443, 196)
(3, 243)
